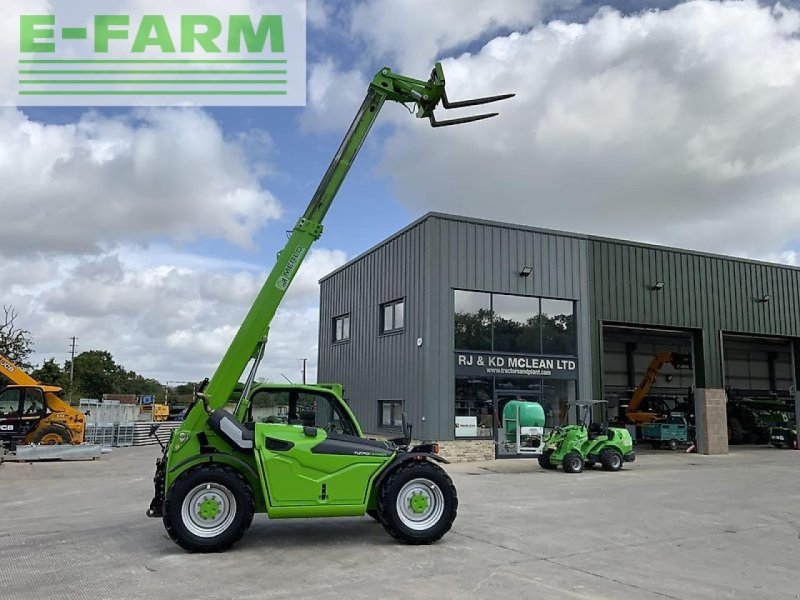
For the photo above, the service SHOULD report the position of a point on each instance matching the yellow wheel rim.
(51, 439)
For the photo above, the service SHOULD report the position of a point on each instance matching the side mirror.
(407, 427)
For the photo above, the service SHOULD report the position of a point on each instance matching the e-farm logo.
(245, 52)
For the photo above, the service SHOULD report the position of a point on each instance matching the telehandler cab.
(219, 467)
(32, 413)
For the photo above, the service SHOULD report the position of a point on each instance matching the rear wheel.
(52, 435)
(373, 513)
(572, 463)
(417, 503)
(735, 431)
(544, 460)
(208, 509)
(611, 459)
(673, 444)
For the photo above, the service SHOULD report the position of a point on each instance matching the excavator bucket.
(437, 80)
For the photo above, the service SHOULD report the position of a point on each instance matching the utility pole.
(305, 360)
(72, 368)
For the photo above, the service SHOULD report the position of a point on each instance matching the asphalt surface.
(669, 526)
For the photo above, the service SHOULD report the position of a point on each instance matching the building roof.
(581, 236)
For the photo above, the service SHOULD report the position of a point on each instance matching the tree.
(97, 373)
(15, 343)
(50, 373)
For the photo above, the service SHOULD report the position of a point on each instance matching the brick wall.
(712, 421)
(467, 450)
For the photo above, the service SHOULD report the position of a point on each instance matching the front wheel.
(544, 460)
(572, 463)
(417, 503)
(52, 435)
(208, 509)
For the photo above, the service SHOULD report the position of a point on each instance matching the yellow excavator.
(33, 413)
(634, 413)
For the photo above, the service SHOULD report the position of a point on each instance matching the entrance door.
(506, 424)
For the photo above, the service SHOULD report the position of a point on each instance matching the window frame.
(382, 316)
(393, 402)
(342, 318)
(541, 299)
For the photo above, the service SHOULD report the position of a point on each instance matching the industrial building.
(451, 317)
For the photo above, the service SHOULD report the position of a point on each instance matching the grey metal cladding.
(703, 292)
(424, 263)
(371, 366)
(481, 255)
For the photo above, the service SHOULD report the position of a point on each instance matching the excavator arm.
(247, 347)
(677, 360)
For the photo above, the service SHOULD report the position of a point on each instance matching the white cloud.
(678, 126)
(334, 95)
(167, 319)
(415, 32)
(102, 181)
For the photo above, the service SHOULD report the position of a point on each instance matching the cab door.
(21, 409)
(315, 461)
(10, 410)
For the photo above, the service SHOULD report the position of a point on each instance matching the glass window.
(556, 395)
(34, 402)
(558, 327)
(474, 407)
(270, 406)
(516, 324)
(473, 321)
(392, 316)
(391, 414)
(9, 402)
(341, 328)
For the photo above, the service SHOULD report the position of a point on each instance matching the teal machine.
(523, 427)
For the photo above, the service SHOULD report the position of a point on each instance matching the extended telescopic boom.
(248, 344)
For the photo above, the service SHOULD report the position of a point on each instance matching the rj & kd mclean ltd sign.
(511, 365)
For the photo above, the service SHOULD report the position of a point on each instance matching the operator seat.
(595, 430)
(231, 430)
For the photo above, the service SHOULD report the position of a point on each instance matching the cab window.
(295, 407)
(9, 402)
(327, 413)
(270, 406)
(34, 402)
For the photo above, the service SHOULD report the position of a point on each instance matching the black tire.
(544, 460)
(673, 444)
(656, 445)
(433, 481)
(735, 431)
(227, 483)
(572, 462)
(373, 513)
(611, 459)
(49, 433)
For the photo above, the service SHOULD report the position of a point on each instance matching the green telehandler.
(219, 468)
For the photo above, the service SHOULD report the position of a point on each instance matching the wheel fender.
(404, 458)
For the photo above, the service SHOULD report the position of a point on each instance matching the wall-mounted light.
(668, 377)
(764, 299)
(657, 286)
(526, 271)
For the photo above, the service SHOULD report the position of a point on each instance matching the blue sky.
(671, 126)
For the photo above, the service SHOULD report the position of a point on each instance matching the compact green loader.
(221, 467)
(587, 443)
